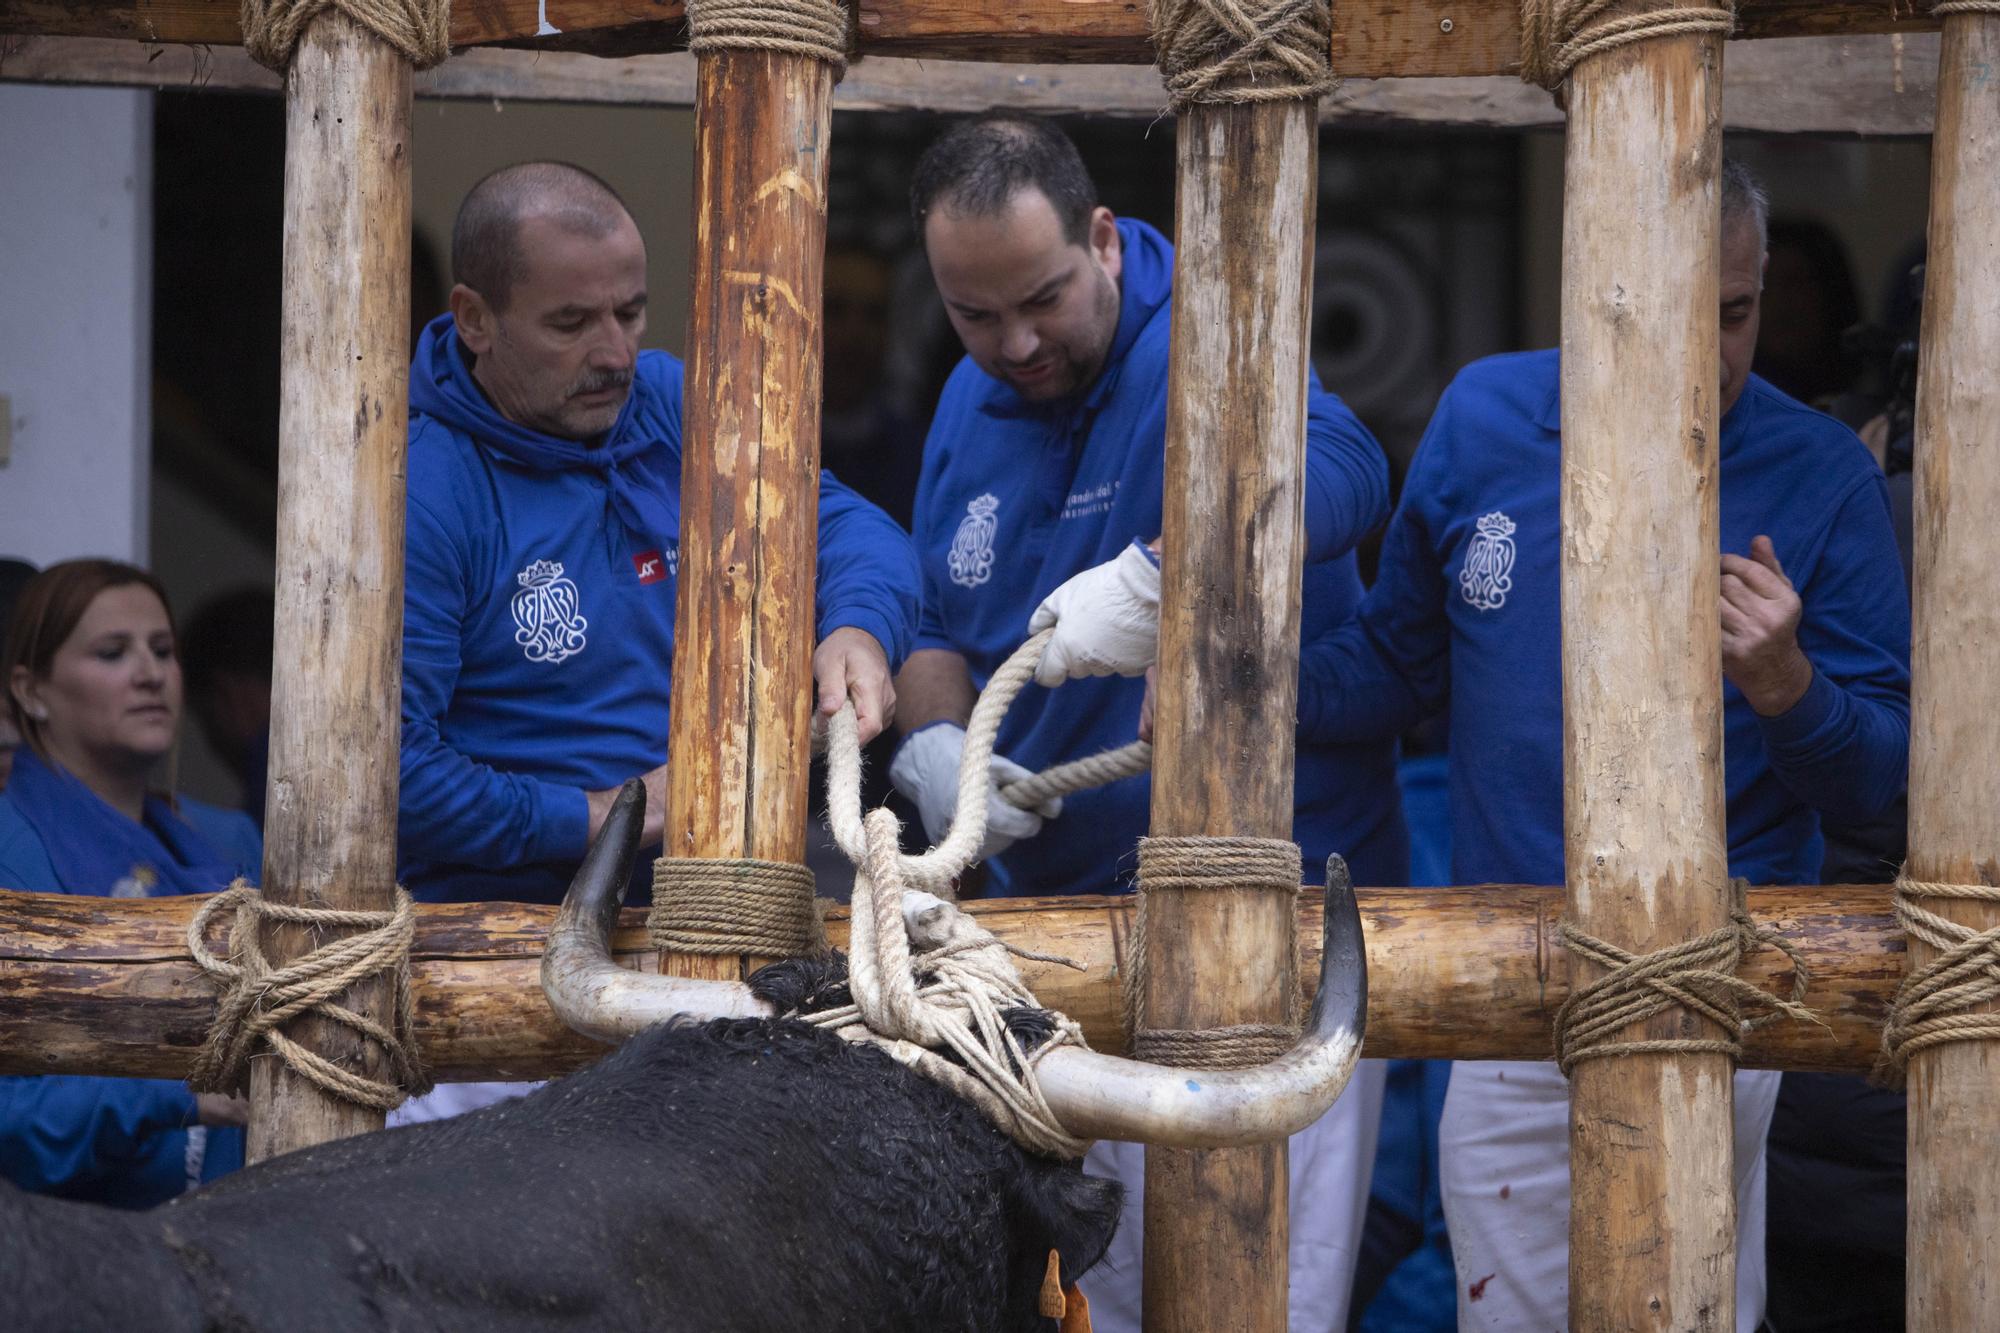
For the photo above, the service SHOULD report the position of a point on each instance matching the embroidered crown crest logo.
(548, 620)
(1487, 577)
(970, 560)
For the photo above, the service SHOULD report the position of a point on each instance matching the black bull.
(738, 1174)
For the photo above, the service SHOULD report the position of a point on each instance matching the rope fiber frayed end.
(258, 999)
(1698, 976)
(1232, 52)
(418, 30)
(1940, 1001)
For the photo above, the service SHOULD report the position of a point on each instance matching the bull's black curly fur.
(814, 985)
(741, 1175)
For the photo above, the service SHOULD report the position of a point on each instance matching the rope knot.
(1224, 52)
(1697, 975)
(258, 999)
(816, 29)
(739, 905)
(419, 30)
(1557, 34)
(1942, 1000)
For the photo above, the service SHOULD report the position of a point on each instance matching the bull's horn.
(588, 991)
(1105, 1097)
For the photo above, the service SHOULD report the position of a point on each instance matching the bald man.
(544, 544)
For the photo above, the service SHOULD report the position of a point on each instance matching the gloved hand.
(925, 769)
(1107, 620)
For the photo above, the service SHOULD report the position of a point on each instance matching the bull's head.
(1094, 1095)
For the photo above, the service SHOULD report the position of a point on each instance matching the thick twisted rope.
(937, 870)
(419, 30)
(1224, 52)
(724, 906)
(259, 999)
(1557, 34)
(1198, 864)
(959, 1008)
(816, 29)
(1697, 975)
(1937, 1002)
(1950, 7)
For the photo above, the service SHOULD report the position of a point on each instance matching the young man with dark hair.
(1044, 460)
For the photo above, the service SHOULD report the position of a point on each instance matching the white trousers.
(1504, 1146)
(453, 1099)
(1331, 1165)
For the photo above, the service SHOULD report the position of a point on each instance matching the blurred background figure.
(226, 658)
(14, 575)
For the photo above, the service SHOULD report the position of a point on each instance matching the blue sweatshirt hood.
(442, 386)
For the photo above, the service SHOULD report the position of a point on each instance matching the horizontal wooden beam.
(1372, 38)
(105, 986)
(1794, 85)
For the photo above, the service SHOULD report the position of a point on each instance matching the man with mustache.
(1045, 458)
(544, 543)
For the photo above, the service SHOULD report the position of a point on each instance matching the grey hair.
(1744, 200)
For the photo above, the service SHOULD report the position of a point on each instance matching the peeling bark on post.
(1234, 543)
(1954, 1173)
(330, 812)
(740, 744)
(1652, 1216)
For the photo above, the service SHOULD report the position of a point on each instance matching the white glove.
(1107, 620)
(925, 769)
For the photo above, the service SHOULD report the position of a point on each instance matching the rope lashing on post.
(1557, 34)
(1950, 7)
(418, 30)
(258, 1000)
(1697, 975)
(1226, 52)
(1206, 864)
(1937, 1002)
(816, 29)
(722, 906)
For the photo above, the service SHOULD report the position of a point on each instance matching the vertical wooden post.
(1652, 1216)
(330, 813)
(1954, 1172)
(1234, 542)
(740, 740)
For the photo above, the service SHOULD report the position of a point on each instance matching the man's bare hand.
(1760, 631)
(654, 827)
(849, 663)
(221, 1110)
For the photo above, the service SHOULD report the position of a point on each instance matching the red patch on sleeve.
(650, 566)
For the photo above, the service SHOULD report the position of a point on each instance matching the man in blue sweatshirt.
(543, 545)
(1045, 459)
(1464, 616)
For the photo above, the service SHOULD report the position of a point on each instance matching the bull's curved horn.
(588, 991)
(1099, 1096)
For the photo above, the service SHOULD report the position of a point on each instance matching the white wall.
(76, 238)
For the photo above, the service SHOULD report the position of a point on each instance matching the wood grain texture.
(1954, 1172)
(740, 739)
(1233, 544)
(105, 986)
(1652, 1224)
(1372, 39)
(1794, 85)
(343, 432)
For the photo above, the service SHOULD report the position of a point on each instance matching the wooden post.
(1954, 1171)
(1234, 541)
(1652, 1227)
(330, 813)
(740, 743)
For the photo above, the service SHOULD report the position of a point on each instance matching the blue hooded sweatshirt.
(538, 623)
(1465, 613)
(128, 1142)
(1018, 496)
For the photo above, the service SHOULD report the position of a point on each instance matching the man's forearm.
(935, 685)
